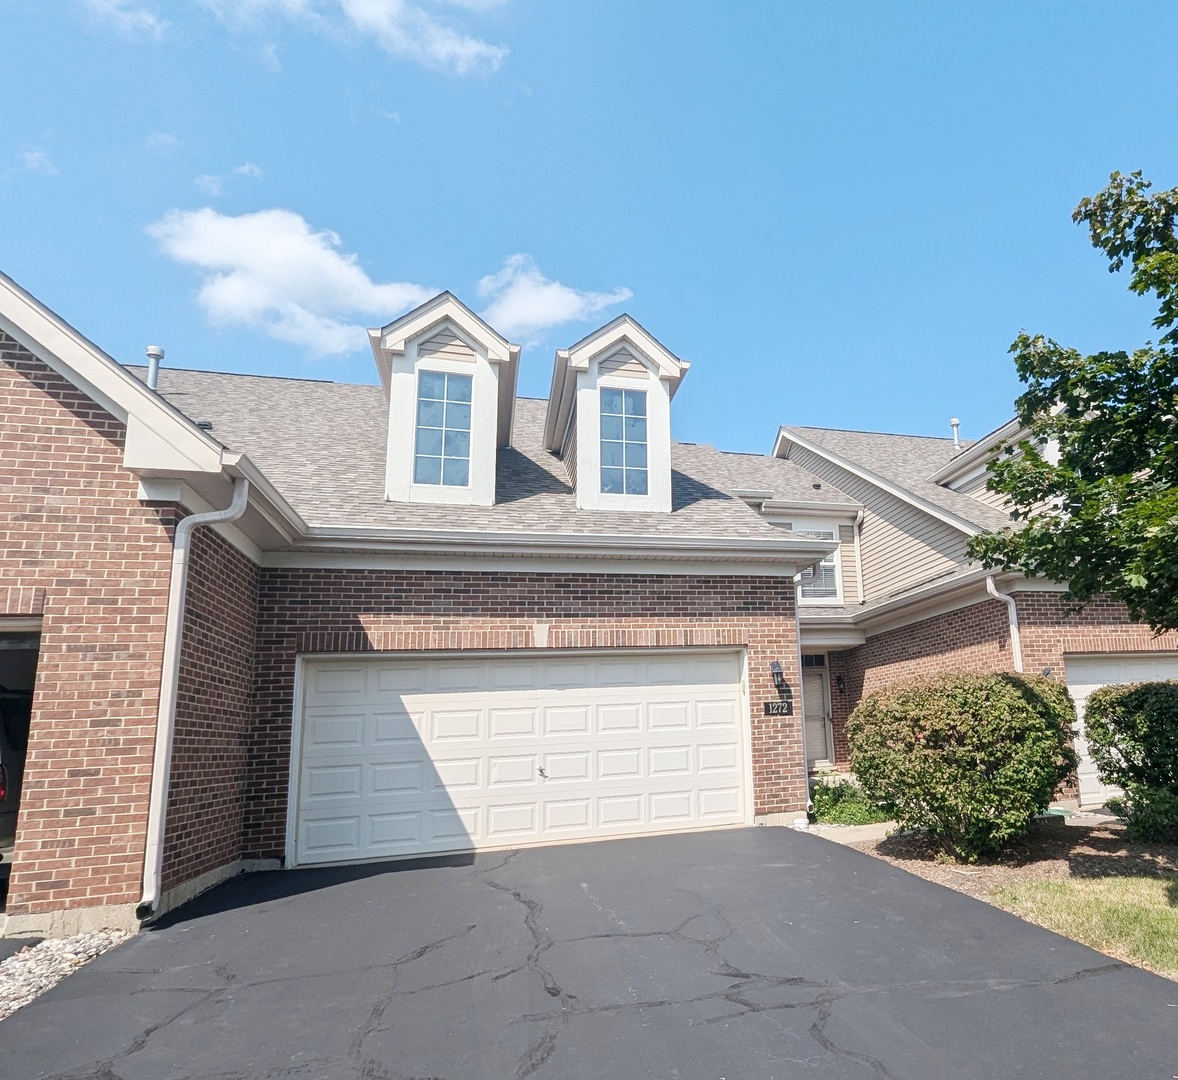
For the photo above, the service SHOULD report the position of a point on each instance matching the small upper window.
(442, 454)
(821, 581)
(623, 442)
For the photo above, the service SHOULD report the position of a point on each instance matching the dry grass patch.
(1134, 919)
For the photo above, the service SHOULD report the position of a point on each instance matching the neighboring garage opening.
(18, 670)
(395, 756)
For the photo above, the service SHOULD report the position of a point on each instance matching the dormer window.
(609, 418)
(442, 453)
(623, 442)
(450, 381)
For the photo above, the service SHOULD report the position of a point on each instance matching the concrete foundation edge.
(789, 818)
(189, 890)
(66, 922)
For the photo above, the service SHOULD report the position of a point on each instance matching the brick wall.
(213, 711)
(324, 611)
(76, 544)
(977, 638)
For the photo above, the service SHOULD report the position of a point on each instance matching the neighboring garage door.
(1088, 673)
(411, 756)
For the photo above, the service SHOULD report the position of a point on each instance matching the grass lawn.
(1083, 879)
(1132, 918)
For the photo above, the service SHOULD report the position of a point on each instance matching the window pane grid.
(821, 581)
(623, 442)
(442, 453)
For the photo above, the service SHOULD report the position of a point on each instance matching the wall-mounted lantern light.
(840, 684)
(784, 705)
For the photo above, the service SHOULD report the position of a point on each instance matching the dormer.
(450, 381)
(609, 417)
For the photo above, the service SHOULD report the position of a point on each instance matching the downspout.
(1016, 643)
(859, 555)
(800, 697)
(153, 860)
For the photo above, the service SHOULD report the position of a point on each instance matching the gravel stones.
(33, 970)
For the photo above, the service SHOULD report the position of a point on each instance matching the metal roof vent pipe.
(154, 355)
(954, 423)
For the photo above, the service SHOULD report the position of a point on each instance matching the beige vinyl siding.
(568, 452)
(847, 564)
(901, 544)
(977, 488)
(622, 363)
(447, 345)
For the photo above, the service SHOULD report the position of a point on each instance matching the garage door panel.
(454, 726)
(569, 720)
(568, 814)
(1088, 673)
(598, 747)
(397, 778)
(396, 727)
(513, 723)
(457, 774)
(520, 769)
(402, 679)
(627, 717)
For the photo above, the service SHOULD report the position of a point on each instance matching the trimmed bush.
(844, 803)
(970, 758)
(1132, 733)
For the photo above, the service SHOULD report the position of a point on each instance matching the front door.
(814, 714)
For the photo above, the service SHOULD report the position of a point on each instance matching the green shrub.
(970, 758)
(1132, 733)
(844, 803)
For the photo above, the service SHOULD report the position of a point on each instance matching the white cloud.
(400, 27)
(406, 29)
(251, 170)
(391, 114)
(36, 159)
(523, 302)
(210, 185)
(162, 142)
(126, 18)
(271, 271)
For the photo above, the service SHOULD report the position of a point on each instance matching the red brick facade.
(977, 638)
(326, 611)
(78, 548)
(213, 711)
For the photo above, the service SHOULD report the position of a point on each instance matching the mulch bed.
(1090, 847)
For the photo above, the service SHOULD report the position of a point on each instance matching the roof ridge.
(886, 434)
(248, 375)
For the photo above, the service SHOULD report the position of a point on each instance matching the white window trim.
(829, 525)
(426, 368)
(402, 440)
(658, 440)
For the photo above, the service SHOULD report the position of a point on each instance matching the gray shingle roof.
(907, 461)
(323, 444)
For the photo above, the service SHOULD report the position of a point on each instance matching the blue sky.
(842, 214)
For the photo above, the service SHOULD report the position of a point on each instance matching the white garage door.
(403, 757)
(1088, 673)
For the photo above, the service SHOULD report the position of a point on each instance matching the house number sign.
(779, 708)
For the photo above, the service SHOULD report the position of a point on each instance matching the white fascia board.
(265, 497)
(530, 564)
(561, 397)
(813, 509)
(803, 552)
(155, 429)
(158, 489)
(830, 636)
(626, 329)
(785, 435)
(978, 453)
(446, 307)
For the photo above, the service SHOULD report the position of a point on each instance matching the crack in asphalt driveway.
(576, 963)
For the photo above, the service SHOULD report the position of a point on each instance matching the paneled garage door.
(405, 757)
(1088, 673)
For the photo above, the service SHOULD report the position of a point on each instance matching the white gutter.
(153, 860)
(859, 555)
(1016, 644)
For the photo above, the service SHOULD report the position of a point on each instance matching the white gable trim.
(786, 436)
(154, 428)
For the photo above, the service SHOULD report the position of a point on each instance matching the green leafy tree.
(1094, 484)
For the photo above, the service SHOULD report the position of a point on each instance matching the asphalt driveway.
(755, 953)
